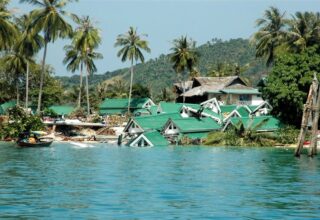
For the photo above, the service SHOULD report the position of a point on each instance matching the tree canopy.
(286, 87)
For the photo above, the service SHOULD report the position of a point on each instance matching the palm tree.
(49, 18)
(304, 30)
(16, 65)
(270, 35)
(86, 38)
(131, 49)
(184, 57)
(29, 43)
(91, 68)
(8, 30)
(73, 60)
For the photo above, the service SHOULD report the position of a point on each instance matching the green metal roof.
(252, 107)
(241, 91)
(153, 137)
(227, 108)
(5, 106)
(123, 103)
(262, 123)
(156, 138)
(62, 109)
(243, 111)
(197, 135)
(191, 124)
(153, 110)
(142, 111)
(115, 111)
(155, 122)
(170, 107)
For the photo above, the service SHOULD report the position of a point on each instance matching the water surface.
(99, 181)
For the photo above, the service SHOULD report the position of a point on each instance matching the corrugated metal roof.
(62, 109)
(155, 122)
(156, 138)
(123, 103)
(188, 125)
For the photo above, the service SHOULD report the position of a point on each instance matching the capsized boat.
(34, 139)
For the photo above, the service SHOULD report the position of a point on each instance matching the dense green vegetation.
(287, 86)
(158, 73)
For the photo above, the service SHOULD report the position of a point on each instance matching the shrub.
(20, 121)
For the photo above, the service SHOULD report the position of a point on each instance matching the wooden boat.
(22, 143)
(33, 139)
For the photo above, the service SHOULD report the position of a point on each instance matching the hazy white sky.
(165, 20)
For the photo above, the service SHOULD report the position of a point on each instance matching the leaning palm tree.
(131, 49)
(8, 30)
(29, 43)
(184, 57)
(86, 38)
(49, 18)
(304, 31)
(270, 35)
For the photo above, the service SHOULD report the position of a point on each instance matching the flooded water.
(79, 181)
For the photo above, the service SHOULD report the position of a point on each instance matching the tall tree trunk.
(130, 91)
(315, 121)
(27, 85)
(18, 95)
(42, 76)
(80, 88)
(87, 91)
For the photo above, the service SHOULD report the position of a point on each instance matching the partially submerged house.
(148, 139)
(120, 106)
(193, 128)
(138, 125)
(227, 90)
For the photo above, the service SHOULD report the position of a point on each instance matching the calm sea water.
(99, 181)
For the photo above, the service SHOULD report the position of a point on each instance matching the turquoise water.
(105, 182)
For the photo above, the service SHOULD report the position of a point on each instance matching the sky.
(165, 20)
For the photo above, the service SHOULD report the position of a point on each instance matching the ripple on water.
(102, 181)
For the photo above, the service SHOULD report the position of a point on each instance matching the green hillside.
(158, 73)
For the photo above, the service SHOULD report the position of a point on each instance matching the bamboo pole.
(315, 120)
(304, 123)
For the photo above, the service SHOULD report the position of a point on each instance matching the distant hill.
(158, 73)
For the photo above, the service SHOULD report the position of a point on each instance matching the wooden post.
(315, 120)
(305, 118)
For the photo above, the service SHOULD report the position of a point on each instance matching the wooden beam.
(305, 118)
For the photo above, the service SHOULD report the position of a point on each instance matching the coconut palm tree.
(49, 18)
(184, 57)
(91, 68)
(74, 60)
(16, 65)
(29, 43)
(8, 30)
(132, 46)
(85, 40)
(304, 31)
(270, 35)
